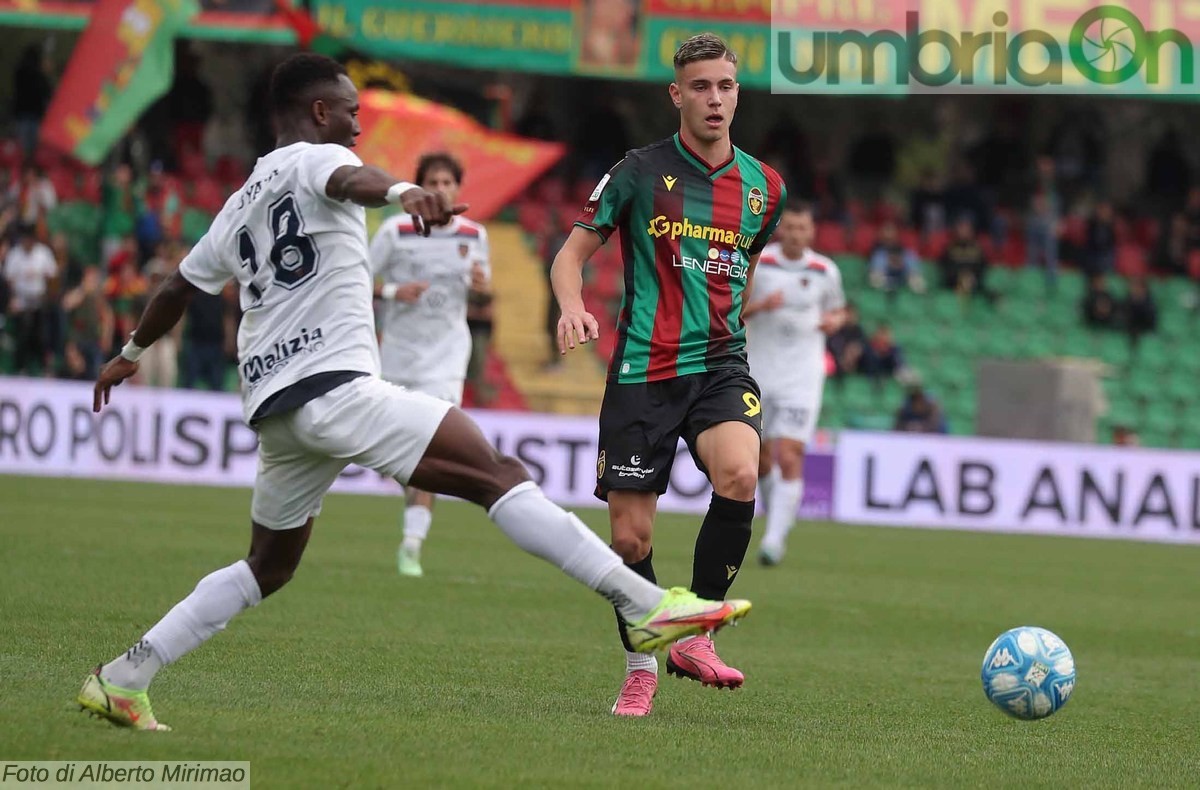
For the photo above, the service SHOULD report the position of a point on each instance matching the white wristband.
(388, 291)
(132, 351)
(396, 190)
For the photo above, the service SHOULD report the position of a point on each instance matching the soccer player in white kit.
(294, 237)
(797, 301)
(424, 284)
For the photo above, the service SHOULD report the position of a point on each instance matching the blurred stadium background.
(1029, 262)
(1108, 188)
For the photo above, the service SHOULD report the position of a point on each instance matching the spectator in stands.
(1191, 212)
(872, 160)
(1168, 173)
(89, 327)
(125, 289)
(190, 105)
(1041, 223)
(965, 198)
(882, 357)
(848, 345)
(159, 367)
(119, 210)
(1100, 246)
(161, 215)
(894, 266)
(1139, 310)
(920, 413)
(1099, 306)
(964, 263)
(927, 204)
(1173, 248)
(204, 332)
(35, 199)
(31, 93)
(549, 239)
(30, 269)
(8, 205)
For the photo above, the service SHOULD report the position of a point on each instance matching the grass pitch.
(862, 654)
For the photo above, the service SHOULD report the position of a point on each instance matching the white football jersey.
(785, 346)
(427, 340)
(300, 259)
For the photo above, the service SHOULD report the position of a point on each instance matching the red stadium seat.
(934, 244)
(863, 239)
(207, 195)
(1074, 229)
(1131, 260)
(831, 238)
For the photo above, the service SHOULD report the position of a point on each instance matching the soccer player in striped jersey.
(797, 301)
(693, 213)
(424, 284)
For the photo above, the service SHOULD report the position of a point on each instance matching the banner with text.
(797, 46)
(181, 436)
(398, 128)
(995, 485)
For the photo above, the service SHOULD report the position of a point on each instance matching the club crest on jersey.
(464, 250)
(755, 201)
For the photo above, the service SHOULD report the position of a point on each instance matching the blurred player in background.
(797, 301)
(425, 284)
(295, 240)
(693, 212)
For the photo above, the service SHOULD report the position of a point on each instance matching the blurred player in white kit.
(797, 300)
(424, 284)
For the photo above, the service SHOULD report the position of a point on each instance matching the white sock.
(545, 530)
(417, 519)
(217, 598)
(782, 512)
(766, 486)
(643, 661)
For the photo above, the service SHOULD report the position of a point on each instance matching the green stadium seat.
(194, 224)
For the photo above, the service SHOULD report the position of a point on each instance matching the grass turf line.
(862, 654)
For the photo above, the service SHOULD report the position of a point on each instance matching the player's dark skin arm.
(164, 311)
(368, 186)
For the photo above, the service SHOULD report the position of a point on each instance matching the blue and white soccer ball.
(1028, 673)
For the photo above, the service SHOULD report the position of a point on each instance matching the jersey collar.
(695, 158)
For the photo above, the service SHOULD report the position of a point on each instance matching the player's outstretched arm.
(163, 312)
(575, 324)
(373, 187)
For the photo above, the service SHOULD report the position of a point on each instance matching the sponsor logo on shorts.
(634, 469)
(260, 367)
(600, 466)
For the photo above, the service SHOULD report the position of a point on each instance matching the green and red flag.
(124, 61)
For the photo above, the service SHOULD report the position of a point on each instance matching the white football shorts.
(366, 421)
(792, 415)
(450, 390)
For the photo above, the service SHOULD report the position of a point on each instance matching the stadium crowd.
(896, 199)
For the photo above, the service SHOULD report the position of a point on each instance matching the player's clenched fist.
(429, 208)
(576, 327)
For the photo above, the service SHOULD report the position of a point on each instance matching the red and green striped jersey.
(688, 231)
